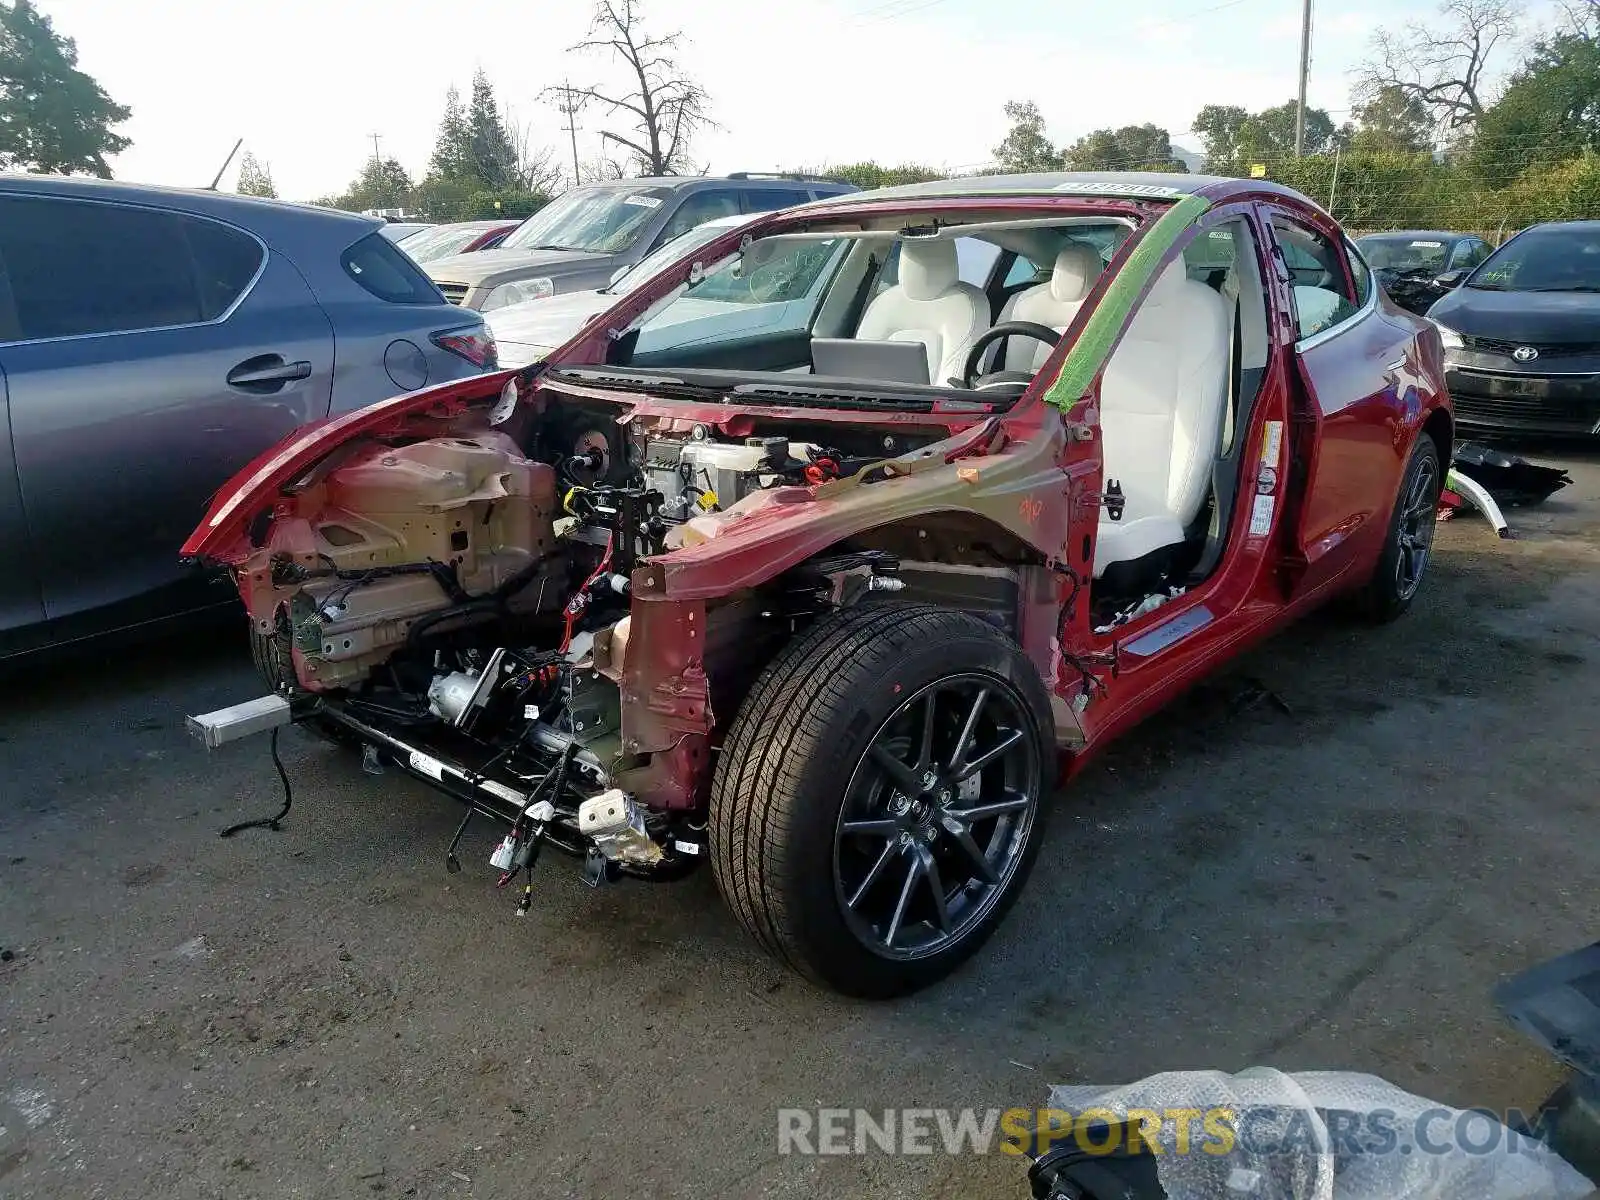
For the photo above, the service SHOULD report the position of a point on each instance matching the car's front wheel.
(877, 804)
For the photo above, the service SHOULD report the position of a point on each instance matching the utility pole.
(569, 108)
(1305, 70)
(375, 136)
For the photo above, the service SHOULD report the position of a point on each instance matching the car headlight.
(1448, 337)
(517, 291)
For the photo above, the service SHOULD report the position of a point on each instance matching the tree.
(662, 106)
(1131, 148)
(53, 117)
(1220, 127)
(869, 175)
(1236, 139)
(494, 159)
(535, 169)
(1443, 62)
(1549, 112)
(1026, 148)
(254, 178)
(452, 148)
(382, 183)
(1393, 121)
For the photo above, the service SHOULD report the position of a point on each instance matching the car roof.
(680, 182)
(1586, 225)
(1154, 185)
(248, 211)
(1413, 233)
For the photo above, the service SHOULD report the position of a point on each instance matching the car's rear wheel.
(1409, 545)
(877, 804)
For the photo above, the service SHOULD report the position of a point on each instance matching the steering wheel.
(770, 281)
(1005, 329)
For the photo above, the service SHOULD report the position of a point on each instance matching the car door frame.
(1142, 665)
(1350, 421)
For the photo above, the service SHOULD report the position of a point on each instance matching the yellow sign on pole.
(1258, 170)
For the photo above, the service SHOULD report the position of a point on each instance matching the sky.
(306, 83)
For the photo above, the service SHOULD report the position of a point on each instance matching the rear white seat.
(1162, 401)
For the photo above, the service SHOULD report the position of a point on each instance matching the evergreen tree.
(494, 158)
(452, 149)
(255, 179)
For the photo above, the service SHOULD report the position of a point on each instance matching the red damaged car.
(835, 603)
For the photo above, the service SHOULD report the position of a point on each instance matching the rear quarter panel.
(364, 326)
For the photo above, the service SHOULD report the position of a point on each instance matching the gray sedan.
(154, 341)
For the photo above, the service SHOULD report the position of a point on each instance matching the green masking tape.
(1093, 347)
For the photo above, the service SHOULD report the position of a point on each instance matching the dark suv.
(586, 236)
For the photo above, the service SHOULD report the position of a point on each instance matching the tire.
(271, 655)
(274, 663)
(1408, 547)
(823, 853)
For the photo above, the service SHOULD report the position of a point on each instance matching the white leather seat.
(1161, 409)
(929, 304)
(1053, 303)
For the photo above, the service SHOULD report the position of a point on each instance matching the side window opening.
(378, 267)
(78, 267)
(1323, 297)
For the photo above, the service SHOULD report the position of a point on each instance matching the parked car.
(1522, 333)
(151, 342)
(526, 332)
(833, 607)
(456, 237)
(581, 239)
(399, 231)
(1409, 262)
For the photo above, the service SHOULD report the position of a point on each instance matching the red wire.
(573, 613)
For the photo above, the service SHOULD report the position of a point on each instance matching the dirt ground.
(325, 1012)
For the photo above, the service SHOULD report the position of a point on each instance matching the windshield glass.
(837, 306)
(684, 243)
(1555, 259)
(1404, 253)
(440, 242)
(601, 220)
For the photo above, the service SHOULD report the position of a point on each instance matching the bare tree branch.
(1443, 62)
(665, 105)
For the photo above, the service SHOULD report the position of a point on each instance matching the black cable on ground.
(288, 799)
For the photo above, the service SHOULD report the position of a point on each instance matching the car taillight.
(472, 342)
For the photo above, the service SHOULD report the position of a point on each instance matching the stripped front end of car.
(557, 643)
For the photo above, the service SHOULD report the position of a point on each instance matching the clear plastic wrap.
(1320, 1135)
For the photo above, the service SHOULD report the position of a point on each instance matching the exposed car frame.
(771, 694)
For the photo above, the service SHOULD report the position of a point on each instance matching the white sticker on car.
(1271, 443)
(424, 764)
(1097, 188)
(643, 201)
(1429, 245)
(1261, 515)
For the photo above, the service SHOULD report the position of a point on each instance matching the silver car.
(585, 236)
(154, 341)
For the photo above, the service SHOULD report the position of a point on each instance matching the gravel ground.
(325, 1012)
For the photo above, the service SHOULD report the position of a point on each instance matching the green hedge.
(1399, 191)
